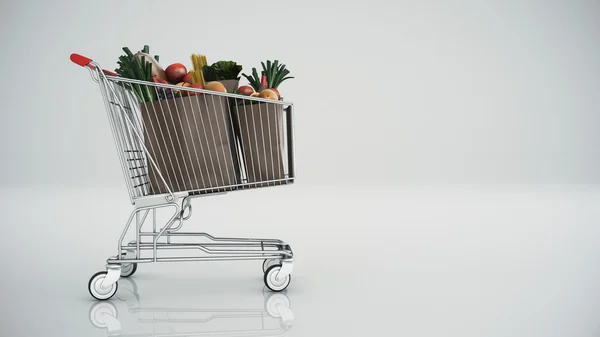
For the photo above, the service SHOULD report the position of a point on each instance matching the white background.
(447, 154)
(385, 92)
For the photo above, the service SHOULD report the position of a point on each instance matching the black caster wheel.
(97, 291)
(274, 283)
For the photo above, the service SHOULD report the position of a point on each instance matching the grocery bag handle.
(87, 62)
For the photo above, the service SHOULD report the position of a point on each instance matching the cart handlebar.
(87, 62)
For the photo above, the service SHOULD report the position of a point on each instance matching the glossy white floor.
(411, 261)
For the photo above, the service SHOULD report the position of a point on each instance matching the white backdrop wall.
(386, 92)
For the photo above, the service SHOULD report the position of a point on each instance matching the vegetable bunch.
(138, 69)
(221, 71)
(275, 73)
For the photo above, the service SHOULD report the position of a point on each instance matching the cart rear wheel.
(274, 283)
(268, 263)
(97, 291)
(128, 269)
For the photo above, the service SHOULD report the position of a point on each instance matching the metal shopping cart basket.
(187, 143)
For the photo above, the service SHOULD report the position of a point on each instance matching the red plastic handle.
(85, 62)
(80, 60)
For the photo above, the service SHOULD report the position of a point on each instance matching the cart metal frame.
(120, 104)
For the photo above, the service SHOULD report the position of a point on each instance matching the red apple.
(176, 72)
(246, 90)
(187, 78)
(196, 86)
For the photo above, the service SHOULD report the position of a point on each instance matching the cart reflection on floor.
(273, 317)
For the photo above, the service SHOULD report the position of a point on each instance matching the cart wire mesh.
(195, 140)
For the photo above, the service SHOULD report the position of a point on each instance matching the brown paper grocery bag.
(230, 85)
(191, 141)
(261, 135)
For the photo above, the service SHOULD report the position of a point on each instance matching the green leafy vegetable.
(221, 71)
(133, 68)
(276, 73)
(209, 74)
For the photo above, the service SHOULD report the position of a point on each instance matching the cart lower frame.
(277, 255)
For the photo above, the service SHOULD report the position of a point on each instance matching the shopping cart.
(183, 144)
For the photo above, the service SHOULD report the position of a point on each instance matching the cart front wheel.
(97, 291)
(268, 263)
(274, 283)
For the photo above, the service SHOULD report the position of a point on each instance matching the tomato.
(176, 72)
